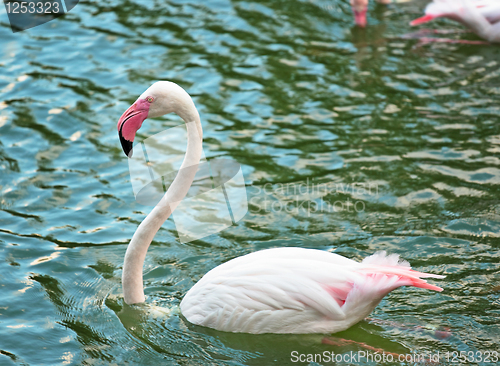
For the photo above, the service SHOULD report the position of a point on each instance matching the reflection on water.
(298, 97)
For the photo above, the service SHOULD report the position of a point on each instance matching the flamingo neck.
(133, 291)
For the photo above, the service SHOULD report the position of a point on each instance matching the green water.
(297, 96)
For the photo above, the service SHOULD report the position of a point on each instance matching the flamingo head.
(131, 121)
(159, 99)
(359, 8)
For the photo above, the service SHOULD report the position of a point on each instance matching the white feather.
(381, 258)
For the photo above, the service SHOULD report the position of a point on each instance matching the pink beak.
(360, 17)
(130, 122)
(424, 19)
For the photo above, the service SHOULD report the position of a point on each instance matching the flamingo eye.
(150, 99)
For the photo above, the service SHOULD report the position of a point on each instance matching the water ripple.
(350, 141)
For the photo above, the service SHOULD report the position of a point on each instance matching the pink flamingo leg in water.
(340, 342)
(438, 332)
(420, 35)
(426, 40)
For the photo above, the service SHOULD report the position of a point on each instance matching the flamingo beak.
(360, 17)
(130, 122)
(421, 20)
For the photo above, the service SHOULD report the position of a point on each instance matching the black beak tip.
(127, 146)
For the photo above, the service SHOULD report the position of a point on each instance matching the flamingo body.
(295, 290)
(481, 16)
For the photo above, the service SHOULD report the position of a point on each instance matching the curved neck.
(133, 291)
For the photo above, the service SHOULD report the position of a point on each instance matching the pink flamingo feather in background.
(481, 16)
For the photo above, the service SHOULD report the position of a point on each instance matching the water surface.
(405, 136)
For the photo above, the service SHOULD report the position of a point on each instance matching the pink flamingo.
(360, 7)
(481, 16)
(282, 290)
